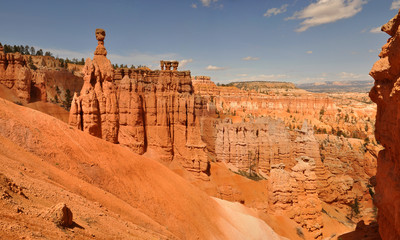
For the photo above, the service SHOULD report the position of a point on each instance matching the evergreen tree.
(39, 52)
(26, 50)
(68, 99)
(30, 63)
(33, 51)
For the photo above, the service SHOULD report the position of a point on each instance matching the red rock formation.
(231, 100)
(98, 98)
(159, 112)
(385, 93)
(295, 194)
(15, 75)
(152, 111)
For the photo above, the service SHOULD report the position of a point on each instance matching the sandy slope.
(113, 192)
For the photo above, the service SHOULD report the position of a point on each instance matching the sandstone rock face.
(15, 75)
(336, 173)
(295, 194)
(385, 93)
(98, 104)
(255, 145)
(159, 112)
(145, 110)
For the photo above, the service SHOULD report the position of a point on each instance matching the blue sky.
(230, 40)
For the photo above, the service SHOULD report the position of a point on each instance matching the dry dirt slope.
(113, 193)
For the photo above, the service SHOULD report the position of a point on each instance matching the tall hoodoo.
(385, 93)
(96, 109)
(146, 110)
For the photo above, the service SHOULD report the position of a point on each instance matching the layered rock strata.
(154, 112)
(96, 109)
(15, 75)
(159, 112)
(385, 93)
(295, 194)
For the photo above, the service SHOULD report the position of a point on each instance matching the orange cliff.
(229, 99)
(15, 75)
(152, 112)
(38, 82)
(385, 93)
(262, 141)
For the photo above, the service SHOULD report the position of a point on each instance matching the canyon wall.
(385, 93)
(304, 166)
(234, 101)
(15, 75)
(40, 80)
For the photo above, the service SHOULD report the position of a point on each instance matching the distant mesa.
(338, 86)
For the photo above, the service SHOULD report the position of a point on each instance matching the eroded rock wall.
(153, 112)
(385, 93)
(96, 109)
(159, 112)
(15, 75)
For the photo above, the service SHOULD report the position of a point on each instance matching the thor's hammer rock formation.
(145, 110)
(96, 109)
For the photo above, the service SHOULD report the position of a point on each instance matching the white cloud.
(242, 75)
(250, 58)
(214, 68)
(206, 3)
(262, 77)
(137, 58)
(309, 52)
(352, 76)
(275, 11)
(194, 5)
(375, 30)
(395, 5)
(327, 11)
(184, 62)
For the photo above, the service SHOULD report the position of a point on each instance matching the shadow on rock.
(363, 232)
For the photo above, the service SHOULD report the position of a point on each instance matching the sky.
(297, 41)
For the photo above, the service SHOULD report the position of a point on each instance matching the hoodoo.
(96, 109)
(145, 110)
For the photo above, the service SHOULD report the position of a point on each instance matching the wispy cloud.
(194, 5)
(184, 62)
(242, 75)
(352, 76)
(309, 52)
(262, 77)
(214, 68)
(250, 58)
(137, 58)
(395, 5)
(207, 3)
(327, 11)
(275, 11)
(375, 30)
